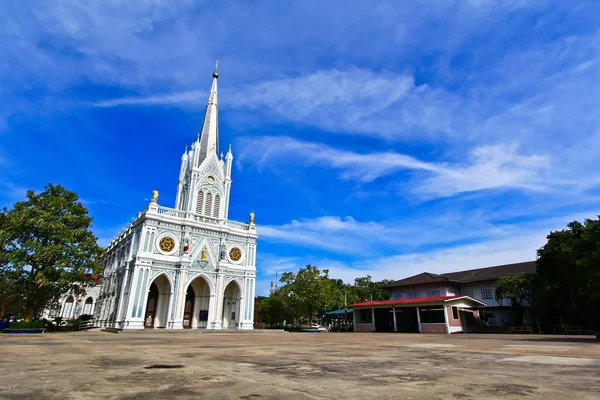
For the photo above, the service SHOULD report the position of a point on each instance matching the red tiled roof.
(407, 301)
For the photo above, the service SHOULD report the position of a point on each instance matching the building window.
(432, 315)
(199, 202)
(468, 293)
(413, 295)
(486, 294)
(455, 312)
(490, 318)
(432, 293)
(451, 292)
(397, 296)
(217, 205)
(208, 204)
(68, 307)
(366, 316)
(87, 308)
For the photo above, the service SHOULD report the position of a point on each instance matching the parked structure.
(188, 266)
(441, 303)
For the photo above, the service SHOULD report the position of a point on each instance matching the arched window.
(68, 307)
(217, 204)
(208, 204)
(199, 202)
(87, 307)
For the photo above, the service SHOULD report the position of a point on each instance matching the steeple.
(209, 134)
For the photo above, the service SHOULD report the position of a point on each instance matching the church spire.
(209, 134)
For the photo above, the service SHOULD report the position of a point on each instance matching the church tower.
(187, 267)
(204, 178)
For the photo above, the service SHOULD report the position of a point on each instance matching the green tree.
(274, 310)
(521, 290)
(368, 290)
(569, 269)
(310, 292)
(46, 247)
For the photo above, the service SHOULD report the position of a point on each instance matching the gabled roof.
(420, 279)
(492, 273)
(414, 302)
(472, 275)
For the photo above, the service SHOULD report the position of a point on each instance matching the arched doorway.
(68, 308)
(158, 303)
(188, 308)
(87, 307)
(201, 303)
(231, 306)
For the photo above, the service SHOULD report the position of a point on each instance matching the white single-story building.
(442, 314)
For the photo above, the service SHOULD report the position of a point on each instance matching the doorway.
(151, 304)
(231, 306)
(188, 308)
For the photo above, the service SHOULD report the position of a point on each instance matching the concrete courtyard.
(262, 365)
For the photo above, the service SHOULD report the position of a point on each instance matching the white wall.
(443, 291)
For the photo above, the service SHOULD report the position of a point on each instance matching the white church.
(187, 267)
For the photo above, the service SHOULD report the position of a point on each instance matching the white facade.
(72, 305)
(422, 293)
(188, 266)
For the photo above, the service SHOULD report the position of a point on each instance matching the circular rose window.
(167, 244)
(235, 254)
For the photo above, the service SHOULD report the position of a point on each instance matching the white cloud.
(192, 98)
(485, 168)
(413, 233)
(354, 100)
(512, 245)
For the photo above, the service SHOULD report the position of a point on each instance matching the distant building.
(441, 303)
(187, 267)
(75, 303)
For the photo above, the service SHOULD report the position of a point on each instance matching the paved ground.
(173, 365)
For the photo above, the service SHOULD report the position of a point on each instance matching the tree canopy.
(566, 287)
(569, 270)
(46, 246)
(310, 292)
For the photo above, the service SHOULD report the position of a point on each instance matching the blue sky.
(381, 138)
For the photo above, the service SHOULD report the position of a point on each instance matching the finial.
(216, 73)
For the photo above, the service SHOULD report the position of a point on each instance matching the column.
(373, 317)
(122, 300)
(179, 299)
(212, 309)
(251, 303)
(241, 312)
(220, 290)
(395, 324)
(446, 318)
(419, 319)
(133, 292)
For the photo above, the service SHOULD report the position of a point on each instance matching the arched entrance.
(231, 306)
(200, 302)
(188, 308)
(158, 303)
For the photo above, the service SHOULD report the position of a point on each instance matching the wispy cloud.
(191, 98)
(346, 235)
(485, 168)
(355, 100)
